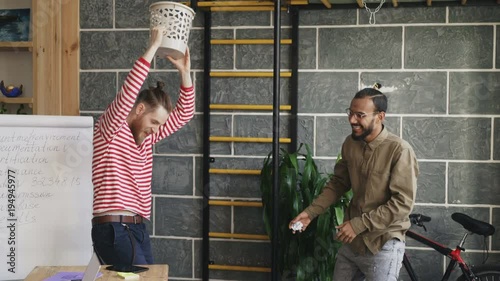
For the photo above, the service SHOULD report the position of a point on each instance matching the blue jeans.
(122, 244)
(383, 266)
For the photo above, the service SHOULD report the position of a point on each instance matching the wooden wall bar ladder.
(257, 6)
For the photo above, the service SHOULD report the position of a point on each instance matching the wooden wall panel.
(70, 90)
(45, 67)
(56, 57)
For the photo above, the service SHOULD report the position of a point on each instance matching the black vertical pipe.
(206, 143)
(194, 5)
(276, 135)
(294, 82)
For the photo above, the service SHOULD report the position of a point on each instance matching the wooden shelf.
(54, 48)
(16, 100)
(16, 45)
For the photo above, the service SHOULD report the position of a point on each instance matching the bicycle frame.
(454, 256)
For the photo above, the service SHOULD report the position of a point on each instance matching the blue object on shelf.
(11, 91)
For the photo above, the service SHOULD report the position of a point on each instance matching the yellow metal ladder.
(255, 6)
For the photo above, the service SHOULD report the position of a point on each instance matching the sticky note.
(128, 275)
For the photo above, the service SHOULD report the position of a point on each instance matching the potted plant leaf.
(309, 255)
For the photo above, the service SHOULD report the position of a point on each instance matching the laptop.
(92, 271)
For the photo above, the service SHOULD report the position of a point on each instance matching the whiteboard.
(45, 192)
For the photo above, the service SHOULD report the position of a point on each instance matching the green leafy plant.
(309, 255)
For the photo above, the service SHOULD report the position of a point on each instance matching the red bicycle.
(485, 272)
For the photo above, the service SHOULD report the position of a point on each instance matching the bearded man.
(123, 158)
(381, 170)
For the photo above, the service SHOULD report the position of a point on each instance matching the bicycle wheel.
(486, 272)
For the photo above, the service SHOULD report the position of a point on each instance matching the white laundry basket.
(177, 20)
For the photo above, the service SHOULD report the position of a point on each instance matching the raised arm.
(116, 113)
(184, 109)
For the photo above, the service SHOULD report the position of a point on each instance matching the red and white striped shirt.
(121, 171)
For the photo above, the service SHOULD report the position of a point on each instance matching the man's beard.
(364, 133)
(137, 133)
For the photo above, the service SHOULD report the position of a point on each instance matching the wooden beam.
(204, 4)
(15, 45)
(247, 139)
(234, 3)
(248, 41)
(219, 106)
(47, 63)
(234, 203)
(247, 74)
(238, 236)
(298, 2)
(239, 268)
(429, 3)
(244, 9)
(326, 3)
(55, 26)
(70, 87)
(360, 3)
(234, 172)
(463, 2)
(395, 3)
(34, 29)
(26, 100)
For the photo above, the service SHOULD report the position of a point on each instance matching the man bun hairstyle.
(379, 99)
(160, 85)
(155, 97)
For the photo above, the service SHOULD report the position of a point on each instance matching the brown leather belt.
(117, 218)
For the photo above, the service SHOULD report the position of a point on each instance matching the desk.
(156, 272)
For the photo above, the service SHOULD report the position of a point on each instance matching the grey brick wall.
(439, 69)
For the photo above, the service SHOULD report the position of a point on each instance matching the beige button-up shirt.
(383, 177)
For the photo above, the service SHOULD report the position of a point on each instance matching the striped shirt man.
(122, 169)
